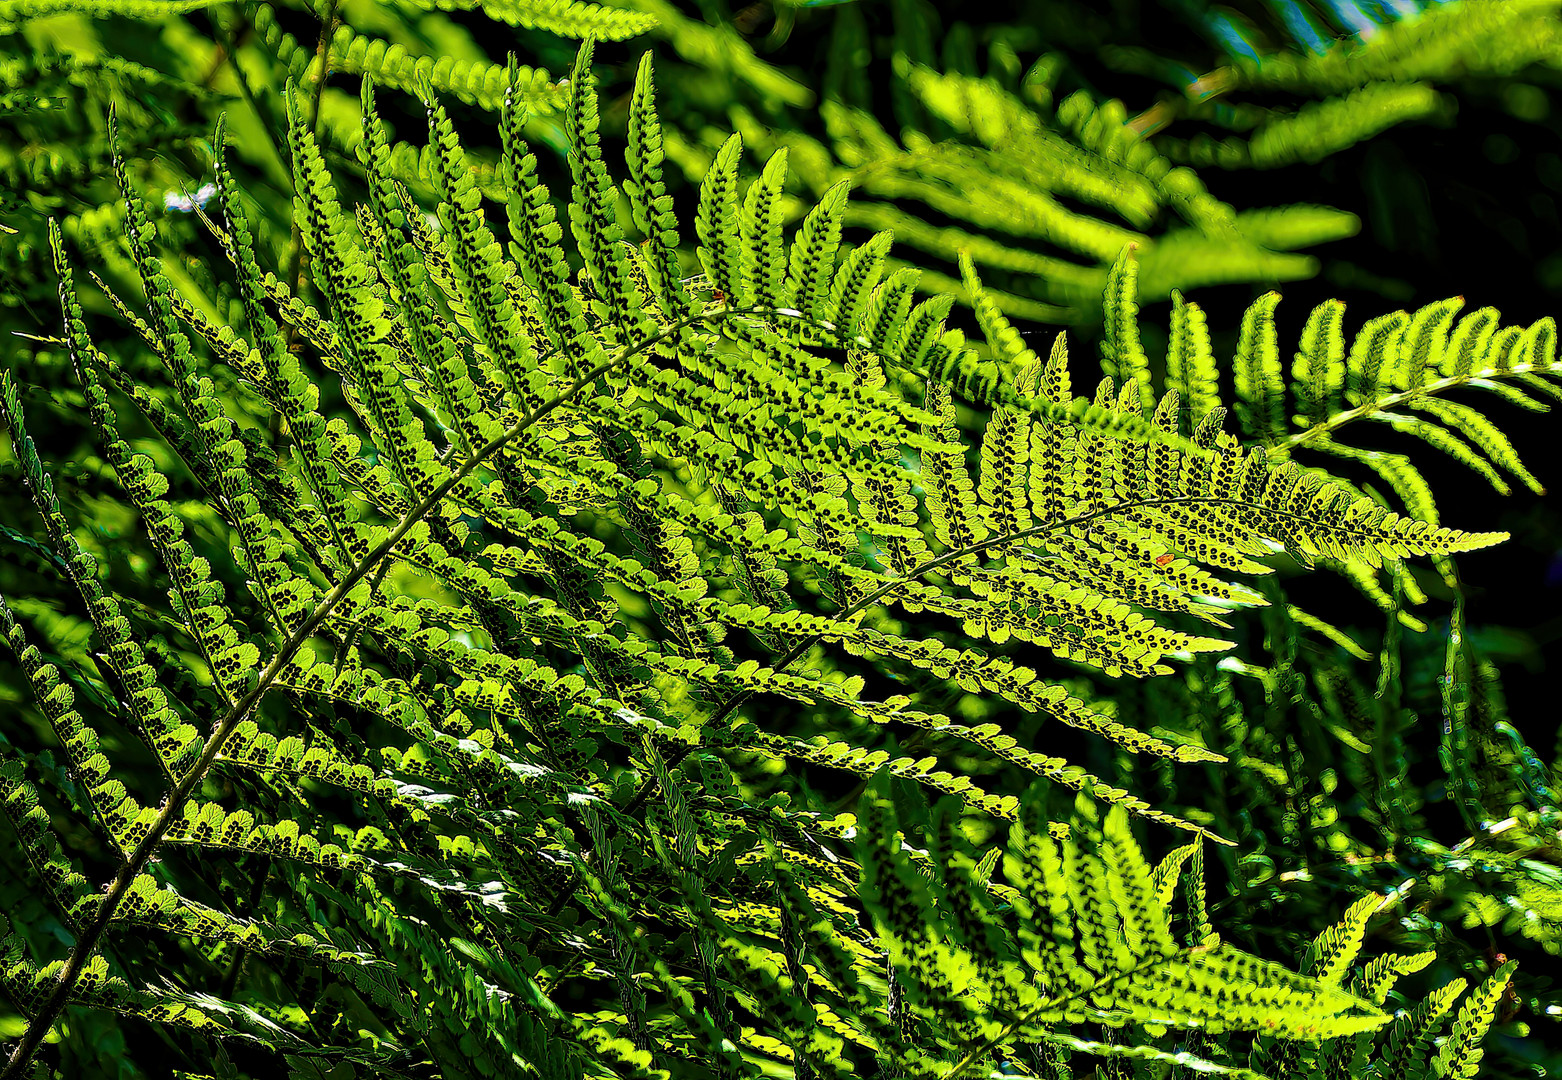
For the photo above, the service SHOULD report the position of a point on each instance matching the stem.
(92, 932)
(1327, 427)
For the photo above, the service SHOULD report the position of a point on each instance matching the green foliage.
(1096, 944)
(1092, 942)
(459, 629)
(1043, 186)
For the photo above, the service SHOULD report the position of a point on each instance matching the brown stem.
(87, 940)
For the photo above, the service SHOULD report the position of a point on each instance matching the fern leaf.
(481, 271)
(648, 198)
(717, 221)
(20, 804)
(1122, 356)
(476, 82)
(763, 263)
(1331, 954)
(1320, 363)
(1482, 434)
(1409, 1038)
(854, 282)
(147, 701)
(1260, 388)
(811, 264)
(436, 353)
(564, 18)
(594, 205)
(1460, 1054)
(297, 399)
(1190, 362)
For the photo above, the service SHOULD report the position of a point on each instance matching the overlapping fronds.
(1407, 371)
(1398, 371)
(1045, 195)
(521, 567)
(1078, 927)
(1089, 939)
(1346, 82)
(1409, 1045)
(1043, 185)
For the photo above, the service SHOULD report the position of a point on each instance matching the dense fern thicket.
(546, 538)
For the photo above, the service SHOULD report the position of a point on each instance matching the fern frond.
(20, 804)
(1091, 926)
(96, 987)
(763, 274)
(476, 82)
(1319, 129)
(1122, 356)
(1460, 1055)
(717, 224)
(1190, 361)
(565, 18)
(594, 207)
(812, 259)
(648, 199)
(17, 11)
(522, 665)
(148, 703)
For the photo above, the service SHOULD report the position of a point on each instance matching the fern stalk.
(1279, 450)
(173, 806)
